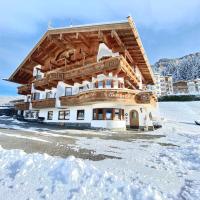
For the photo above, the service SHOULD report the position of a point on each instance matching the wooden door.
(134, 119)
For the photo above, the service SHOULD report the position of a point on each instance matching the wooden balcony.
(22, 106)
(104, 95)
(117, 65)
(42, 84)
(44, 103)
(24, 89)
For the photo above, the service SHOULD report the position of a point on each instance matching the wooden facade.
(78, 46)
(107, 95)
(22, 106)
(117, 65)
(24, 89)
(44, 103)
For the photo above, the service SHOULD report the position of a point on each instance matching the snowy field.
(164, 164)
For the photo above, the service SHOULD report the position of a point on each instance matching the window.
(100, 114)
(68, 91)
(48, 95)
(64, 115)
(50, 115)
(108, 83)
(117, 114)
(36, 96)
(100, 84)
(108, 114)
(32, 114)
(80, 114)
(38, 74)
(81, 89)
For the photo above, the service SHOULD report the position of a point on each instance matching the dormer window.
(38, 74)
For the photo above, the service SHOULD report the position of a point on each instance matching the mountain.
(184, 68)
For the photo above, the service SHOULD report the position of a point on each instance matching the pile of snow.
(36, 176)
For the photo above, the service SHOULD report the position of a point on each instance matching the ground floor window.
(64, 115)
(80, 114)
(108, 114)
(50, 115)
(32, 114)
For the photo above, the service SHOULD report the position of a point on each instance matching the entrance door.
(134, 119)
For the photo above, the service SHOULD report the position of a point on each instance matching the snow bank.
(36, 176)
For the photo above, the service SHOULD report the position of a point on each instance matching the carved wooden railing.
(42, 84)
(120, 95)
(24, 89)
(22, 106)
(115, 64)
(44, 103)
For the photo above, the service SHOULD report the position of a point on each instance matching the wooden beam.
(28, 71)
(58, 42)
(105, 39)
(84, 40)
(36, 60)
(115, 35)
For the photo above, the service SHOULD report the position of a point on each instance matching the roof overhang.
(124, 33)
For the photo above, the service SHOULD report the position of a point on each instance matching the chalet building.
(191, 87)
(180, 87)
(88, 76)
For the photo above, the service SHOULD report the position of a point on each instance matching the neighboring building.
(166, 85)
(88, 76)
(191, 87)
(197, 85)
(187, 87)
(194, 87)
(180, 87)
(163, 85)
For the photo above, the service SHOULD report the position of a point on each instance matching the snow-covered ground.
(164, 164)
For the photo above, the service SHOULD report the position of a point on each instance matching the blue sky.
(168, 29)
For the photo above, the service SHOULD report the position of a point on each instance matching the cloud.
(24, 16)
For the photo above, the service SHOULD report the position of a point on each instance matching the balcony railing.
(44, 103)
(24, 89)
(117, 65)
(41, 84)
(22, 106)
(103, 95)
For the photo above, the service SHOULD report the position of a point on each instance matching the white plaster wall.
(110, 124)
(73, 114)
(143, 116)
